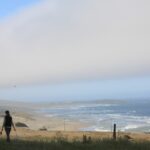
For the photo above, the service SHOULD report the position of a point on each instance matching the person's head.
(7, 112)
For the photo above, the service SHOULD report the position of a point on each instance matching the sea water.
(129, 115)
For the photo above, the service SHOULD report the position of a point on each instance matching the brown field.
(29, 134)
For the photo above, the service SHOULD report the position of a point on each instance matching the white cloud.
(59, 40)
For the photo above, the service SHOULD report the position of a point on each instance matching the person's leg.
(7, 130)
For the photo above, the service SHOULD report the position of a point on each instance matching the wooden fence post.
(114, 132)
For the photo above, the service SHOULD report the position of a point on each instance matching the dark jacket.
(7, 121)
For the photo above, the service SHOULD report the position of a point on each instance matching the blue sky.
(72, 50)
(8, 7)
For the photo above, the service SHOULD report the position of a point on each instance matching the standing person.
(7, 124)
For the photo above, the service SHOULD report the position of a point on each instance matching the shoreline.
(32, 116)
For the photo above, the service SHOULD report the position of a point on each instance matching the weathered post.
(114, 132)
(64, 125)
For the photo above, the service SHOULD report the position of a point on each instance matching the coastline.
(85, 117)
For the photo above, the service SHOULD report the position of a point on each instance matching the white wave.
(131, 126)
(95, 128)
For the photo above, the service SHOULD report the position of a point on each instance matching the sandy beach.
(41, 126)
(29, 114)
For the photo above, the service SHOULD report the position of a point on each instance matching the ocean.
(100, 115)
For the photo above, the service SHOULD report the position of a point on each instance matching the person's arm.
(3, 125)
(13, 125)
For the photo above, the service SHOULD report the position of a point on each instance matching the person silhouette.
(7, 124)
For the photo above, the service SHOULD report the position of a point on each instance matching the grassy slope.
(64, 145)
